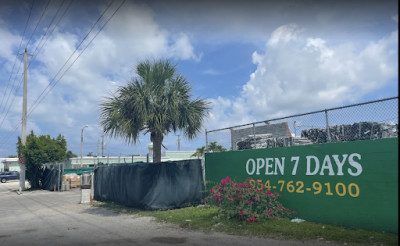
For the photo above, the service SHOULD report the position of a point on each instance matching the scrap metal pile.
(356, 131)
(267, 141)
(338, 133)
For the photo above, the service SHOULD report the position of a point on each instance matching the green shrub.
(244, 202)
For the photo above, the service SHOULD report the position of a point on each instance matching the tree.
(212, 147)
(199, 152)
(38, 151)
(158, 102)
(70, 154)
(90, 154)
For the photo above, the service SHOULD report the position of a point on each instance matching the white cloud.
(296, 71)
(9, 42)
(226, 112)
(284, 34)
(107, 63)
(182, 48)
(211, 71)
(298, 74)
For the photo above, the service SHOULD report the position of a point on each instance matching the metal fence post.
(254, 135)
(206, 142)
(329, 138)
(328, 132)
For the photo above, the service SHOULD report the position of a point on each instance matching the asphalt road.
(58, 218)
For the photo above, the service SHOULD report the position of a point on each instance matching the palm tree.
(158, 101)
(199, 152)
(214, 147)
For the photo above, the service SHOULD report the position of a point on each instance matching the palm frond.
(157, 101)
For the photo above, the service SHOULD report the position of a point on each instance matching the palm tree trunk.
(157, 139)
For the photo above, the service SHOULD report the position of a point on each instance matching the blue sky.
(253, 60)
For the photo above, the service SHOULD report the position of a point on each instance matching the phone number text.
(328, 188)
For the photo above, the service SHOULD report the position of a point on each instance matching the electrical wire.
(42, 95)
(54, 27)
(44, 35)
(17, 88)
(15, 61)
(44, 92)
(35, 55)
(37, 24)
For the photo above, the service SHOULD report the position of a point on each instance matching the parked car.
(11, 175)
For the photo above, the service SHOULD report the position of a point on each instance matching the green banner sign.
(353, 184)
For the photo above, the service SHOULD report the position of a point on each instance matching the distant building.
(12, 164)
(9, 164)
(91, 161)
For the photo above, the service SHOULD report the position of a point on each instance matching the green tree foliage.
(158, 102)
(199, 152)
(70, 154)
(38, 151)
(212, 147)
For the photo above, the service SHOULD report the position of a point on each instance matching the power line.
(43, 12)
(44, 93)
(51, 32)
(9, 94)
(44, 35)
(15, 60)
(12, 102)
(40, 98)
(30, 63)
(37, 24)
(53, 83)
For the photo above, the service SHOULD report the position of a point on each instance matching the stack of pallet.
(73, 179)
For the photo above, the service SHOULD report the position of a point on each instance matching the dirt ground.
(58, 218)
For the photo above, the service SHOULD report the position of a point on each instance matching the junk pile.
(338, 133)
(267, 141)
(356, 131)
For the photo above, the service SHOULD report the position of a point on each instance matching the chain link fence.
(369, 120)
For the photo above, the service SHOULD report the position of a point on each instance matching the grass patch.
(115, 207)
(205, 219)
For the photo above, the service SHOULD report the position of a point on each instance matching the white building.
(12, 164)
(9, 164)
(91, 161)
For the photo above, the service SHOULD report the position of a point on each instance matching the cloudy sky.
(253, 60)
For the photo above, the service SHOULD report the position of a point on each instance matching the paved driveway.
(57, 218)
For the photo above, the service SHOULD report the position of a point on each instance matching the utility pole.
(98, 147)
(24, 118)
(294, 128)
(82, 142)
(179, 142)
(102, 145)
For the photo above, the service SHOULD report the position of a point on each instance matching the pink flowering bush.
(242, 201)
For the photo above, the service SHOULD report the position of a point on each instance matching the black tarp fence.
(152, 186)
(51, 178)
